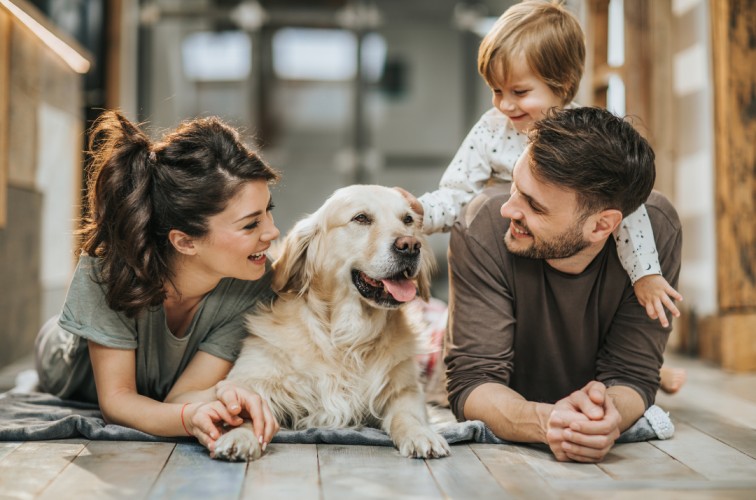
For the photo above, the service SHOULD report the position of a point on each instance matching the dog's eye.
(408, 220)
(362, 219)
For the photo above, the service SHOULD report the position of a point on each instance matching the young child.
(533, 59)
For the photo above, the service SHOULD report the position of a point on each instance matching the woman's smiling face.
(239, 236)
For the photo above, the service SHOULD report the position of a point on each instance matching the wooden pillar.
(598, 44)
(636, 72)
(661, 104)
(113, 41)
(647, 74)
(5, 41)
(733, 55)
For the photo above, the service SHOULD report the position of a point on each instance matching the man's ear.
(603, 224)
(182, 242)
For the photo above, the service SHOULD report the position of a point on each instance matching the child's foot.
(672, 379)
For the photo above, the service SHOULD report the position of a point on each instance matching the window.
(326, 55)
(217, 56)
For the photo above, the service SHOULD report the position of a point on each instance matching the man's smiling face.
(546, 221)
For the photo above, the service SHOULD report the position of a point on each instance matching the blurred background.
(335, 92)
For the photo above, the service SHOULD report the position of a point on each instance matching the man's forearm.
(512, 417)
(629, 404)
(508, 414)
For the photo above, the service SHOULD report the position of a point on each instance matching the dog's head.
(366, 238)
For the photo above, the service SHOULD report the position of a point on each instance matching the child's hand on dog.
(414, 202)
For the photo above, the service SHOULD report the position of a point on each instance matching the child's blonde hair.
(550, 38)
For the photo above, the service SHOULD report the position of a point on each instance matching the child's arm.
(414, 202)
(466, 176)
(637, 253)
(654, 293)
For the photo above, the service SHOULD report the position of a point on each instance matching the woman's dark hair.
(139, 192)
(595, 153)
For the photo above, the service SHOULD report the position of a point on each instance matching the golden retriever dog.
(335, 348)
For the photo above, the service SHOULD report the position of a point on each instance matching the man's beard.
(562, 246)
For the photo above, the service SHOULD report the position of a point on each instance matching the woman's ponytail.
(118, 224)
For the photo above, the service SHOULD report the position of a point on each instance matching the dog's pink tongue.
(401, 290)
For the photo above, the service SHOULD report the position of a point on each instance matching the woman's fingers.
(253, 405)
(271, 425)
(234, 399)
(231, 400)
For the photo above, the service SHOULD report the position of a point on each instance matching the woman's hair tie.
(153, 157)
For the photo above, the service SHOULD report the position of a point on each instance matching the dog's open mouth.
(389, 292)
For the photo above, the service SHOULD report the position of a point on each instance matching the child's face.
(524, 98)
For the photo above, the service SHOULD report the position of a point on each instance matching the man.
(549, 343)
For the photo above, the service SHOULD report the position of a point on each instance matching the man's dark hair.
(597, 154)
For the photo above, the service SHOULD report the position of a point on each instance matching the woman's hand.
(206, 421)
(248, 404)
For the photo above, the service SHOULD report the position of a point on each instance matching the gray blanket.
(38, 417)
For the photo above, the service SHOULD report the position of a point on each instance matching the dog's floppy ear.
(291, 271)
(427, 268)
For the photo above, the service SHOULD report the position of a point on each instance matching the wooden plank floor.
(713, 455)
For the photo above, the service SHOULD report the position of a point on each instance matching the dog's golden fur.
(335, 349)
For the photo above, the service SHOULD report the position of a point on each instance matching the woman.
(173, 256)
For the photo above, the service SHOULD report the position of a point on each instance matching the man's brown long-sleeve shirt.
(544, 333)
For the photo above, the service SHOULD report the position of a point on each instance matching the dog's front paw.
(425, 444)
(238, 445)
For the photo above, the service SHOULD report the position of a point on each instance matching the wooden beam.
(63, 45)
(733, 30)
(114, 13)
(738, 342)
(636, 71)
(5, 41)
(661, 104)
(733, 25)
(598, 20)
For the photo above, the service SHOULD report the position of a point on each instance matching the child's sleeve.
(465, 177)
(636, 246)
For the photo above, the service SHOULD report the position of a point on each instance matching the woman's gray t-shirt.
(217, 328)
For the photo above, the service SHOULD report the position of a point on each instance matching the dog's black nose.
(407, 245)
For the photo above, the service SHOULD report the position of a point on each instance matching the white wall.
(57, 157)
